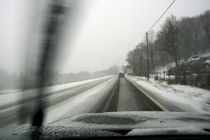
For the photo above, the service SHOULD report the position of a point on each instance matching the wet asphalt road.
(126, 97)
(131, 99)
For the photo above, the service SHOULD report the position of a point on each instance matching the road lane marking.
(154, 101)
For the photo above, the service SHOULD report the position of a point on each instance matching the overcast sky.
(107, 31)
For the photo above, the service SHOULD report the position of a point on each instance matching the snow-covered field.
(12, 96)
(184, 97)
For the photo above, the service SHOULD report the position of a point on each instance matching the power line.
(161, 15)
(147, 37)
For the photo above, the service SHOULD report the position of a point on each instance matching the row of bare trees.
(177, 40)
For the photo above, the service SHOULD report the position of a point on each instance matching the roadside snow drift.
(13, 96)
(84, 102)
(175, 97)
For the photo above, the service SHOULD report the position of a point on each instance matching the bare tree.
(176, 40)
(169, 36)
(205, 22)
(151, 39)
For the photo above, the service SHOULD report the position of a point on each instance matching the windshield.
(62, 58)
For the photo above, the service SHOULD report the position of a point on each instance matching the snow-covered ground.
(161, 69)
(57, 88)
(184, 97)
(82, 103)
(12, 96)
(164, 68)
(206, 54)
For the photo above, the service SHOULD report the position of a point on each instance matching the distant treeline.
(177, 40)
(29, 78)
(8, 80)
(84, 75)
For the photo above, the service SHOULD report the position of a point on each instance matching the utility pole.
(147, 36)
(147, 56)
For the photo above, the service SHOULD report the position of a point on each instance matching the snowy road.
(131, 99)
(9, 112)
(111, 96)
(105, 95)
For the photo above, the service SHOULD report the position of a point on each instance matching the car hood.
(122, 124)
(141, 123)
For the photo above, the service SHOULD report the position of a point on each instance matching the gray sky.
(108, 30)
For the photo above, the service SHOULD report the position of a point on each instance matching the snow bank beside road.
(60, 87)
(183, 97)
